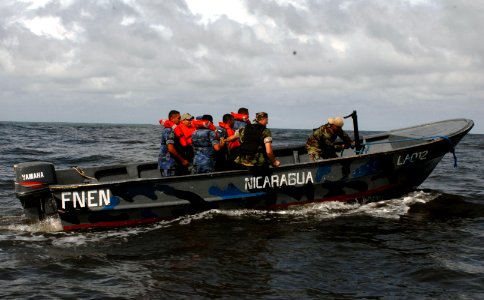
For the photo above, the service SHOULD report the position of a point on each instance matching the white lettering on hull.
(411, 158)
(288, 179)
(82, 199)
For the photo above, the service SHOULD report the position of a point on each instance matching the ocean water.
(428, 244)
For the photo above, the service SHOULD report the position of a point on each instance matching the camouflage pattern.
(259, 159)
(203, 141)
(320, 144)
(261, 115)
(167, 163)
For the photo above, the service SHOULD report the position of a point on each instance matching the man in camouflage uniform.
(205, 142)
(320, 144)
(256, 143)
(170, 160)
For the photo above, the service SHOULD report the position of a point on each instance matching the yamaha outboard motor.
(32, 182)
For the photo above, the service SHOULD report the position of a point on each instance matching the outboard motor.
(32, 180)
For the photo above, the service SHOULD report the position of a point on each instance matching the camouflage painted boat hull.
(390, 165)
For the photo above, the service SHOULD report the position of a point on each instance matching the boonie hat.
(186, 116)
(337, 121)
(261, 115)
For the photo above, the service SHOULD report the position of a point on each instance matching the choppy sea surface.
(428, 244)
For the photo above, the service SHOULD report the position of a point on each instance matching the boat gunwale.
(194, 177)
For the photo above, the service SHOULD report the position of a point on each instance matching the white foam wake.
(51, 228)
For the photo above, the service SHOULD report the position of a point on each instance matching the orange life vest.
(241, 117)
(167, 123)
(230, 132)
(178, 130)
(187, 133)
(203, 124)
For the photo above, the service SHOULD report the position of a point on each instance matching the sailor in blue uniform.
(241, 118)
(170, 162)
(205, 143)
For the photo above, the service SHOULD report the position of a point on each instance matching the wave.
(29, 152)
(7, 184)
(134, 142)
(19, 224)
(416, 205)
(87, 160)
(446, 206)
(386, 209)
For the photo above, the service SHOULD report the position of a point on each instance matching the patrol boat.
(382, 166)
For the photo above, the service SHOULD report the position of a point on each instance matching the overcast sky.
(398, 63)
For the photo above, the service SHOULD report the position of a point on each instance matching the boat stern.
(32, 180)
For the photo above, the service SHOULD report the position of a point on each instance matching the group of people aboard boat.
(192, 145)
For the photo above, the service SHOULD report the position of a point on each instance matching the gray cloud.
(396, 62)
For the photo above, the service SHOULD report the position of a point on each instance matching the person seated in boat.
(205, 142)
(226, 157)
(256, 143)
(321, 143)
(241, 118)
(170, 161)
(187, 129)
